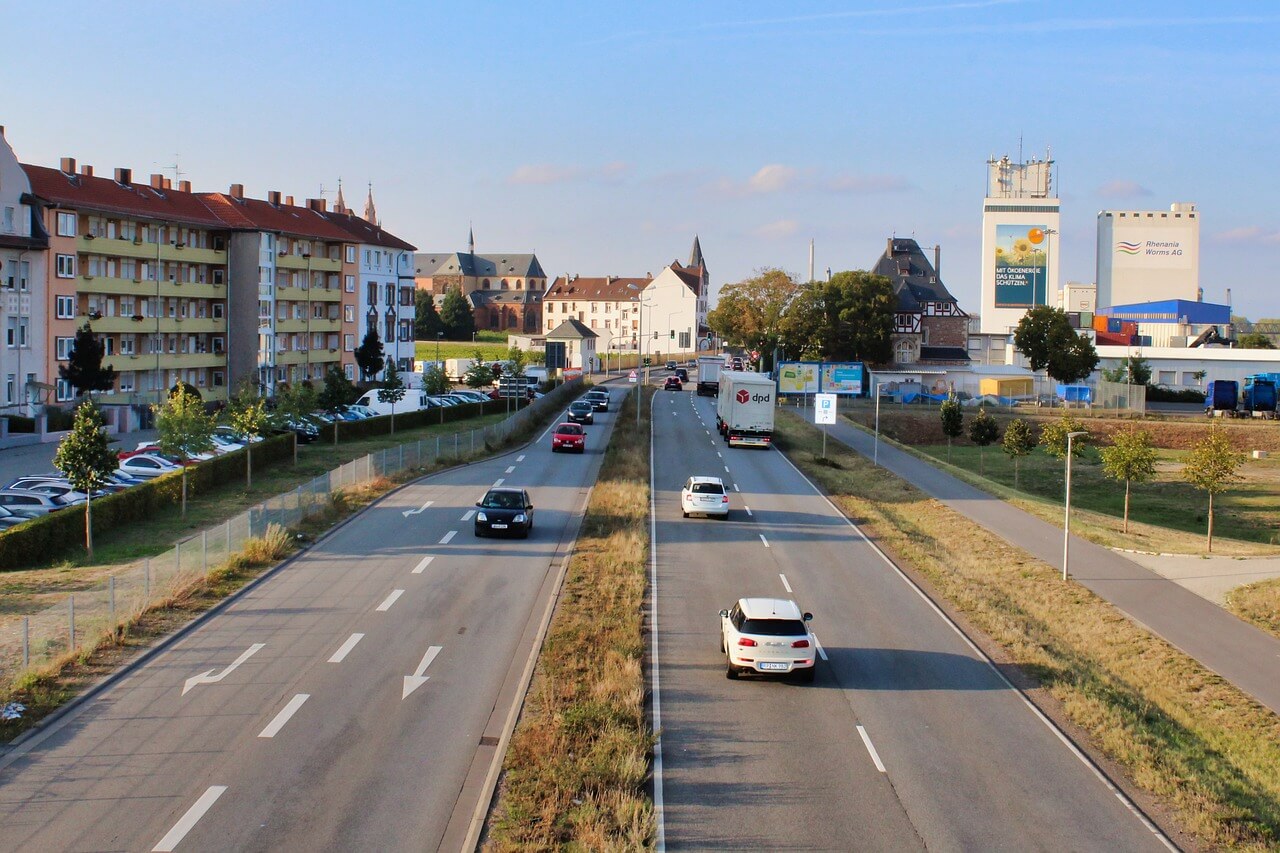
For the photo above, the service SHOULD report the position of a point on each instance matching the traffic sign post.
(631, 377)
(824, 412)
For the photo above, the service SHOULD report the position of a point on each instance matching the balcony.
(315, 294)
(289, 327)
(88, 283)
(297, 262)
(168, 361)
(312, 356)
(326, 325)
(121, 248)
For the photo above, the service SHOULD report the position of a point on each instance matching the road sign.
(824, 408)
(631, 377)
(755, 355)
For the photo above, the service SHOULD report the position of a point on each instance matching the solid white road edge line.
(273, 728)
(390, 600)
(174, 836)
(467, 516)
(345, 649)
(785, 585)
(1040, 715)
(875, 757)
(822, 653)
(661, 842)
(448, 537)
(765, 541)
(422, 566)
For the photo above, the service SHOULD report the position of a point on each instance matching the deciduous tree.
(83, 370)
(434, 381)
(1254, 340)
(392, 390)
(426, 320)
(1053, 437)
(1044, 335)
(983, 430)
(1132, 370)
(952, 420)
(479, 374)
(1018, 442)
(247, 414)
(185, 431)
(1211, 467)
(85, 458)
(750, 313)
(1130, 458)
(336, 393)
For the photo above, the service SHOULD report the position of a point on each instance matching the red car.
(672, 384)
(569, 437)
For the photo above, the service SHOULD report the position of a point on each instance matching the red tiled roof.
(601, 289)
(366, 232)
(286, 219)
(690, 276)
(101, 193)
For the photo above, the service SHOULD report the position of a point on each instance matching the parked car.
(582, 412)
(505, 510)
(10, 517)
(471, 396)
(63, 493)
(147, 466)
(30, 484)
(569, 437)
(32, 503)
(229, 433)
(153, 449)
(599, 398)
(704, 495)
(362, 411)
(769, 636)
(306, 431)
(672, 384)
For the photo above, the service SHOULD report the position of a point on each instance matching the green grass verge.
(491, 350)
(1209, 753)
(575, 773)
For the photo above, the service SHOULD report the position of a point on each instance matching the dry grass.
(1207, 751)
(1258, 603)
(576, 772)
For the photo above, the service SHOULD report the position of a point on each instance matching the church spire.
(340, 204)
(695, 255)
(471, 239)
(370, 212)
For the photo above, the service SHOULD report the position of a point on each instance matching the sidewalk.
(1242, 654)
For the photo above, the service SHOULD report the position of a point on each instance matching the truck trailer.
(744, 409)
(709, 367)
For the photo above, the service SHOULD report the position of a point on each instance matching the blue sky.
(604, 136)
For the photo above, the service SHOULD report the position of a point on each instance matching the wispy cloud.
(776, 230)
(1249, 234)
(1121, 188)
(535, 174)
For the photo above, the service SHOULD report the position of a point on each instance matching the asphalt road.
(909, 738)
(354, 700)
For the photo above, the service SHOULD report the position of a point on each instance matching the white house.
(23, 252)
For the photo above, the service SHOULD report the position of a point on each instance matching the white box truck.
(456, 368)
(744, 409)
(709, 367)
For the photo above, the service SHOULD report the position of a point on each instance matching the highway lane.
(967, 763)
(351, 700)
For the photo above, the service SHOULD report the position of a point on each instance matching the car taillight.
(725, 499)
(800, 644)
(747, 641)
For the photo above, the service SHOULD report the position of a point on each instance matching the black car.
(599, 399)
(671, 365)
(682, 374)
(504, 511)
(582, 412)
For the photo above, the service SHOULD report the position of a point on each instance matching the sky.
(604, 136)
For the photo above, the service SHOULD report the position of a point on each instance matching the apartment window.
(1168, 377)
(66, 307)
(406, 330)
(217, 310)
(317, 311)
(406, 296)
(349, 313)
(351, 254)
(391, 294)
(349, 343)
(606, 324)
(9, 384)
(219, 379)
(371, 293)
(1189, 379)
(66, 225)
(349, 370)
(66, 266)
(218, 276)
(65, 391)
(390, 330)
(62, 347)
(126, 382)
(128, 345)
(350, 284)
(367, 256)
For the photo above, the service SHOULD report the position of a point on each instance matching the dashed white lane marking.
(718, 453)
(498, 482)
(707, 431)
(748, 509)
(390, 600)
(448, 537)
(875, 757)
(345, 649)
(822, 653)
(765, 541)
(466, 516)
(180, 829)
(273, 728)
(520, 458)
(785, 585)
(422, 566)
(726, 469)
(510, 469)
(735, 488)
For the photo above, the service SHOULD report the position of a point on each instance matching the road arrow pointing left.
(413, 682)
(210, 678)
(409, 512)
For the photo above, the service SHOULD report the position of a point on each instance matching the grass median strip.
(576, 771)
(1209, 753)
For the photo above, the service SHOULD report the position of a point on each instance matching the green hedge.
(53, 536)
(1157, 394)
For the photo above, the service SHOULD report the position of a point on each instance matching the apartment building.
(384, 276)
(23, 250)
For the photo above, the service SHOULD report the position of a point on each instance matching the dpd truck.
(744, 409)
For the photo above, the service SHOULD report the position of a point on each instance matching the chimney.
(937, 260)
(168, 184)
(157, 182)
(890, 252)
(316, 204)
(184, 186)
(124, 177)
(273, 198)
(68, 165)
(237, 191)
(87, 171)
(288, 201)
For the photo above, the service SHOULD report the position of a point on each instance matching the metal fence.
(85, 616)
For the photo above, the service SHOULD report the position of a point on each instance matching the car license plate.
(498, 526)
(768, 665)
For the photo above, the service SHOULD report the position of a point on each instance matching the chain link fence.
(41, 638)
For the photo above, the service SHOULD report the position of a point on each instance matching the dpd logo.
(743, 396)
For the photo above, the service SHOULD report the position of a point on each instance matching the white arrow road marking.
(273, 728)
(510, 469)
(498, 482)
(409, 512)
(875, 757)
(210, 678)
(340, 655)
(422, 566)
(785, 585)
(468, 514)
(448, 537)
(413, 682)
(390, 600)
(822, 653)
(180, 829)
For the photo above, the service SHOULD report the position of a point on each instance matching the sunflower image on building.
(1020, 246)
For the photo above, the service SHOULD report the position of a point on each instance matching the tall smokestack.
(810, 259)
(937, 260)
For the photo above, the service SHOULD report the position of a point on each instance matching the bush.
(1157, 394)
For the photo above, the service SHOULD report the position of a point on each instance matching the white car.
(704, 495)
(769, 636)
(147, 466)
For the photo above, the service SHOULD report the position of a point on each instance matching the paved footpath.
(1242, 654)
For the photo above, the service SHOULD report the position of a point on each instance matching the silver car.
(34, 503)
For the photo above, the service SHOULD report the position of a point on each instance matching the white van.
(412, 402)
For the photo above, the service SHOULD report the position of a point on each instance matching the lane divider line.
(390, 600)
(448, 537)
(498, 482)
(875, 757)
(174, 836)
(822, 653)
(785, 585)
(345, 649)
(422, 566)
(726, 469)
(735, 488)
(273, 728)
(765, 541)
(747, 508)
(468, 515)
(520, 458)
(510, 469)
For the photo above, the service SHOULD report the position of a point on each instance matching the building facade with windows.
(929, 327)
(505, 291)
(385, 284)
(24, 242)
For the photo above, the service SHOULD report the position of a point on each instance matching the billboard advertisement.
(798, 377)
(1153, 247)
(844, 377)
(1022, 270)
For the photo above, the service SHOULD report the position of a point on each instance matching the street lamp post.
(875, 455)
(1048, 247)
(1066, 523)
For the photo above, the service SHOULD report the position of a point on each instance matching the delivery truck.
(744, 409)
(455, 369)
(709, 367)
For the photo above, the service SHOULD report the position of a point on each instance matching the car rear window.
(580, 406)
(774, 627)
(708, 489)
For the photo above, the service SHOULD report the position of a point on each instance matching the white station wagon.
(704, 495)
(769, 636)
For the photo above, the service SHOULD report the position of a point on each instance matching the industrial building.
(1147, 255)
